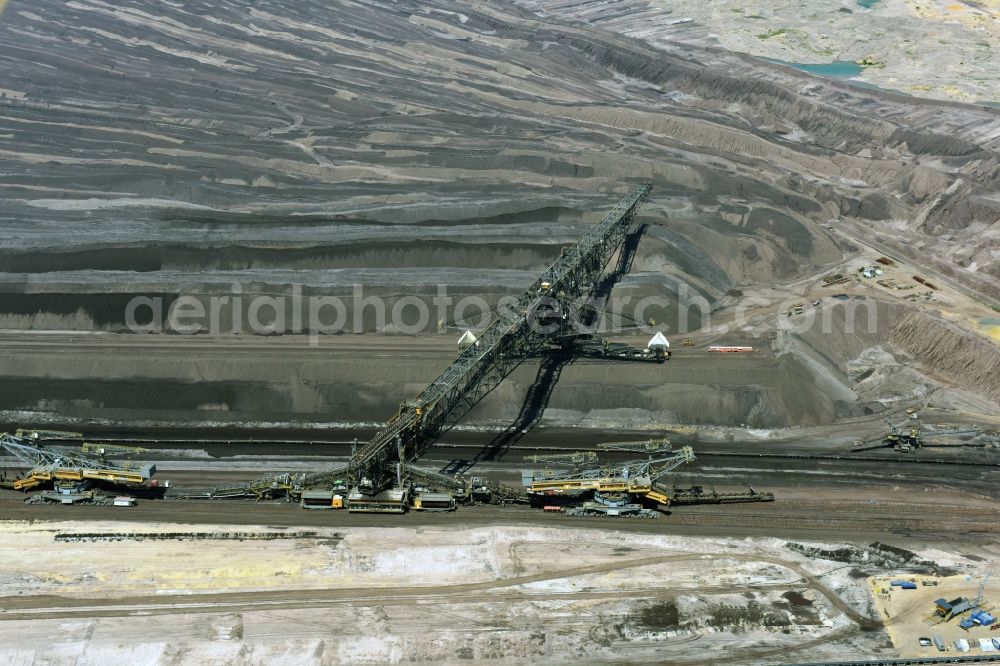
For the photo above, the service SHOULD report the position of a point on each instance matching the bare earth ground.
(377, 595)
(927, 48)
(492, 584)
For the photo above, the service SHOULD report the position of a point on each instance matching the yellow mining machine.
(906, 440)
(612, 487)
(634, 488)
(49, 465)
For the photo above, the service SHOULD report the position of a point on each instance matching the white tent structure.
(466, 341)
(658, 341)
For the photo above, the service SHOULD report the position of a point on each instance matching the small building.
(658, 341)
(123, 500)
(466, 341)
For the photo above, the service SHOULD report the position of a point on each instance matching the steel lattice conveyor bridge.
(546, 320)
(537, 321)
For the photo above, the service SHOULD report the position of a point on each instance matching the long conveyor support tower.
(520, 330)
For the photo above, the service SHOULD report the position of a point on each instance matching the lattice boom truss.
(504, 345)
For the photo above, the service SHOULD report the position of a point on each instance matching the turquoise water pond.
(841, 69)
(845, 69)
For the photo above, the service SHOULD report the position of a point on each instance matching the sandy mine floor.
(174, 593)
(927, 48)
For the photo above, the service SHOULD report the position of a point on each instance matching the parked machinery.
(629, 488)
(898, 438)
(609, 490)
(53, 466)
(946, 610)
(907, 439)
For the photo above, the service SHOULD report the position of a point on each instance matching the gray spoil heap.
(399, 146)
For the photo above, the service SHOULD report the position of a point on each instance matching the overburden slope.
(183, 148)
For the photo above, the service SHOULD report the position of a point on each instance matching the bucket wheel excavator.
(58, 467)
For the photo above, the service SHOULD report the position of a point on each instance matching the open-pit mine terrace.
(213, 149)
(232, 148)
